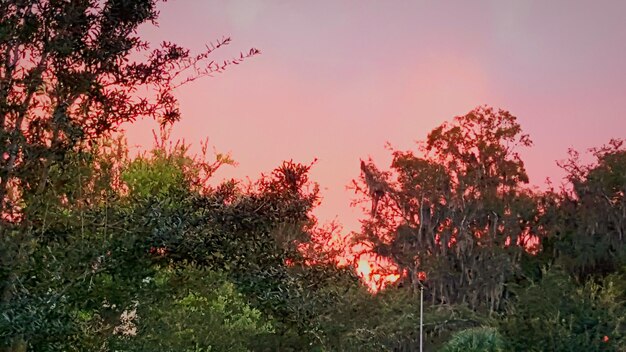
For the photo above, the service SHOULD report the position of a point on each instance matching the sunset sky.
(338, 79)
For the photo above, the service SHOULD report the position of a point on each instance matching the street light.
(421, 278)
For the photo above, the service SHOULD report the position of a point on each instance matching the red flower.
(421, 276)
(605, 339)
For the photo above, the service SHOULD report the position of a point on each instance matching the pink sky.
(338, 79)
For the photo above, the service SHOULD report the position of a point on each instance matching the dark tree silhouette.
(70, 71)
(459, 213)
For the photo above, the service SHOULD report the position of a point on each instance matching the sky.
(337, 80)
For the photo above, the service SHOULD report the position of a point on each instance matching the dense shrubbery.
(475, 339)
(133, 255)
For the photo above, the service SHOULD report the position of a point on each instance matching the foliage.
(484, 339)
(77, 281)
(69, 75)
(102, 252)
(554, 314)
(389, 321)
(62, 255)
(459, 213)
(591, 227)
(194, 310)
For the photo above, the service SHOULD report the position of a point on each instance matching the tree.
(589, 229)
(556, 314)
(102, 251)
(460, 212)
(69, 74)
(190, 309)
(63, 260)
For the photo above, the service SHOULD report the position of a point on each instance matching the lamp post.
(421, 278)
(421, 317)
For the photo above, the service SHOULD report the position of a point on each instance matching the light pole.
(421, 278)
(421, 317)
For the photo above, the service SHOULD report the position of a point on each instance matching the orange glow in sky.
(376, 272)
(336, 80)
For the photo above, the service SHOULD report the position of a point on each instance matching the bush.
(483, 339)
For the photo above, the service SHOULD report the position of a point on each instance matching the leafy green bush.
(195, 310)
(556, 314)
(481, 339)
